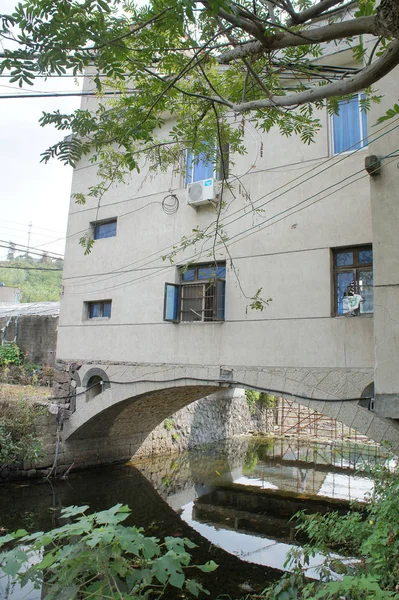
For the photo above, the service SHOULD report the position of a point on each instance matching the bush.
(95, 556)
(257, 400)
(371, 534)
(18, 441)
(10, 354)
(27, 374)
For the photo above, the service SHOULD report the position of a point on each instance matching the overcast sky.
(32, 192)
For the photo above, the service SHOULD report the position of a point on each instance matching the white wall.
(288, 256)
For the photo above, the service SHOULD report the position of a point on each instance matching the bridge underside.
(113, 424)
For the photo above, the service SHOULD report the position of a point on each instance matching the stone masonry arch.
(113, 425)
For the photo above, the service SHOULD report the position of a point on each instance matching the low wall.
(36, 335)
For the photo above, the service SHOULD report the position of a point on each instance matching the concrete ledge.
(387, 406)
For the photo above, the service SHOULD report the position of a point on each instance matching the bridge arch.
(114, 424)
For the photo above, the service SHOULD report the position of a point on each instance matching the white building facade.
(305, 223)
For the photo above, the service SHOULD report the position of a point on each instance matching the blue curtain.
(347, 134)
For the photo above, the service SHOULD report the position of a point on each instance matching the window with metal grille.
(200, 295)
(353, 280)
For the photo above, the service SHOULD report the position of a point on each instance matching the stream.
(213, 493)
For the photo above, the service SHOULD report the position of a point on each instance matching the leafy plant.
(95, 556)
(168, 424)
(175, 437)
(259, 399)
(10, 354)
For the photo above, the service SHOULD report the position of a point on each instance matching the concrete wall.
(290, 260)
(35, 335)
(385, 215)
(9, 294)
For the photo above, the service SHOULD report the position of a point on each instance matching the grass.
(30, 393)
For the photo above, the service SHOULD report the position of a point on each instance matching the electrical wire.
(28, 268)
(228, 222)
(219, 381)
(251, 230)
(31, 249)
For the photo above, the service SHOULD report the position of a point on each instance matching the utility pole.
(29, 232)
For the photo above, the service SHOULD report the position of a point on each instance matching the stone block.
(346, 414)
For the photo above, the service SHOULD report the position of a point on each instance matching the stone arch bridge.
(114, 407)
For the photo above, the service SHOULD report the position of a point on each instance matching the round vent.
(195, 192)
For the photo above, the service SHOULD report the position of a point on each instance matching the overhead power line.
(21, 248)
(331, 162)
(249, 231)
(28, 268)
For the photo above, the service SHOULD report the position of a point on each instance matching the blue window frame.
(100, 309)
(200, 297)
(353, 280)
(349, 126)
(199, 167)
(105, 229)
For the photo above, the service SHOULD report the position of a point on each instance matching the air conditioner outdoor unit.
(201, 192)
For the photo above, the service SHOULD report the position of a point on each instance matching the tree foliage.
(95, 556)
(208, 64)
(38, 280)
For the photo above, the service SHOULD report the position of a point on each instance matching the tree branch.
(317, 35)
(312, 12)
(361, 80)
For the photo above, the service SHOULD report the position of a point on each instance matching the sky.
(32, 192)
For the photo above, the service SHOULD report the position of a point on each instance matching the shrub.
(95, 556)
(10, 354)
(259, 399)
(18, 441)
(370, 534)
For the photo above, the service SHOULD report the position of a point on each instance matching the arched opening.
(94, 387)
(367, 397)
(95, 381)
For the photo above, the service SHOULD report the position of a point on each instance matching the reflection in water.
(180, 480)
(287, 465)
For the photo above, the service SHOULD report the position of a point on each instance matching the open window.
(202, 166)
(200, 295)
(353, 280)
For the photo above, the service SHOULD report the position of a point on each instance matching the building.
(9, 294)
(306, 224)
(33, 327)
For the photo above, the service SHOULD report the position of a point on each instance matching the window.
(349, 126)
(99, 310)
(353, 280)
(199, 167)
(200, 295)
(105, 229)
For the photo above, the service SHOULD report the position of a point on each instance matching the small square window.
(105, 229)
(353, 280)
(99, 310)
(349, 126)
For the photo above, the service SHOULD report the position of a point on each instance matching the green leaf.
(72, 511)
(208, 567)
